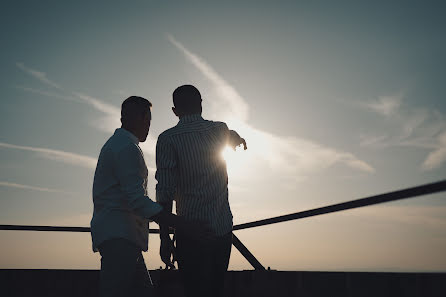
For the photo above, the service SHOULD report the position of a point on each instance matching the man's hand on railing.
(167, 252)
(199, 231)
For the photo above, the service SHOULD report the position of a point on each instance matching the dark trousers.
(203, 266)
(123, 271)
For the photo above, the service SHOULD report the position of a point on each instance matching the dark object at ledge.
(41, 282)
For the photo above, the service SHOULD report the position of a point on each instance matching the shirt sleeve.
(166, 170)
(129, 170)
(231, 137)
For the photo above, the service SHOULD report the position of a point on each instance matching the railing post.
(246, 253)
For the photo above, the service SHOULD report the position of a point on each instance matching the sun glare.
(241, 162)
(235, 160)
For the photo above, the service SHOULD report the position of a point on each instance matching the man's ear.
(175, 112)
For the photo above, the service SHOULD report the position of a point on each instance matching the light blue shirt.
(121, 206)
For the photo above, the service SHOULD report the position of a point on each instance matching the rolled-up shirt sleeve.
(166, 170)
(231, 137)
(130, 170)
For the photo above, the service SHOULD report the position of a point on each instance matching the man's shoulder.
(191, 127)
(117, 143)
(168, 133)
(218, 124)
(214, 123)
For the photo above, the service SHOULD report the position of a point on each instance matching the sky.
(336, 100)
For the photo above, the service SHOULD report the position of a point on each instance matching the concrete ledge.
(38, 282)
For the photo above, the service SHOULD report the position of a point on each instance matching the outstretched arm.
(235, 140)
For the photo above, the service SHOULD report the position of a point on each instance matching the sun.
(241, 163)
(235, 160)
(226, 153)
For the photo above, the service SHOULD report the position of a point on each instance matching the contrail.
(57, 155)
(289, 155)
(39, 75)
(100, 105)
(27, 187)
(233, 101)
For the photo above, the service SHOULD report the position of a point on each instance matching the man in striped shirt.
(191, 171)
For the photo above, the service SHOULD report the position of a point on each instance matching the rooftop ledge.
(43, 282)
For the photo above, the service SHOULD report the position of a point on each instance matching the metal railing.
(413, 192)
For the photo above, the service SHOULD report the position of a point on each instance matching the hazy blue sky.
(337, 100)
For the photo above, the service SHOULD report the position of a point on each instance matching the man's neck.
(189, 114)
(130, 131)
(190, 118)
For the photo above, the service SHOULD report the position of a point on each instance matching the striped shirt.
(192, 171)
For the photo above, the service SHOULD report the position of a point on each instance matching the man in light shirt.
(122, 209)
(191, 171)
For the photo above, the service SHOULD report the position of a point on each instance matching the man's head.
(186, 100)
(136, 116)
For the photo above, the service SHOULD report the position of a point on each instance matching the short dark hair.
(187, 98)
(134, 105)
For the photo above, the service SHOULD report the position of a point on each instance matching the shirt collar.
(127, 133)
(190, 118)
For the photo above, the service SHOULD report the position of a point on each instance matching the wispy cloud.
(292, 155)
(233, 102)
(32, 188)
(47, 94)
(38, 75)
(100, 105)
(437, 157)
(109, 123)
(413, 128)
(111, 120)
(56, 155)
(385, 105)
(111, 113)
(409, 127)
(106, 123)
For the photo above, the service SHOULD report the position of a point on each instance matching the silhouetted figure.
(122, 208)
(191, 171)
